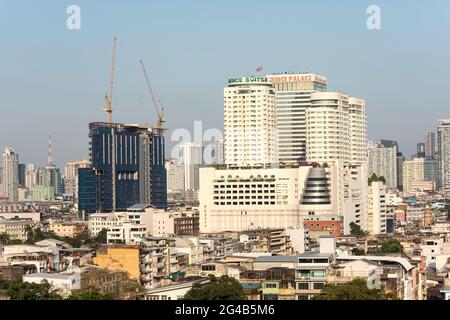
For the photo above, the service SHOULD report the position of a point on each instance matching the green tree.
(101, 237)
(130, 290)
(35, 234)
(358, 252)
(354, 290)
(91, 295)
(4, 238)
(374, 177)
(392, 245)
(19, 290)
(355, 230)
(223, 288)
(15, 241)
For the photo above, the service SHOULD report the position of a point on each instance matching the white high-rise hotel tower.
(336, 136)
(250, 122)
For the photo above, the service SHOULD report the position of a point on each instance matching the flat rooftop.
(56, 276)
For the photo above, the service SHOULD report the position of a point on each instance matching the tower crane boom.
(109, 97)
(156, 102)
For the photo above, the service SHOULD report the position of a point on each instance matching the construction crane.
(108, 98)
(156, 102)
(109, 110)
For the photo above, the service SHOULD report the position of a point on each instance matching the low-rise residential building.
(436, 252)
(25, 215)
(186, 224)
(218, 246)
(274, 240)
(288, 278)
(119, 258)
(399, 277)
(126, 233)
(323, 225)
(445, 290)
(15, 272)
(217, 269)
(367, 270)
(67, 229)
(415, 214)
(190, 246)
(101, 280)
(393, 199)
(127, 227)
(15, 229)
(159, 260)
(174, 291)
(299, 237)
(64, 283)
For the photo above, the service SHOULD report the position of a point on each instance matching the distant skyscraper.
(191, 159)
(430, 145)
(71, 176)
(400, 159)
(293, 96)
(21, 174)
(31, 178)
(420, 170)
(420, 150)
(250, 122)
(10, 174)
(175, 176)
(444, 152)
(383, 162)
(50, 177)
(214, 153)
(139, 170)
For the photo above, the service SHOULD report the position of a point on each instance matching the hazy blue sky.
(53, 79)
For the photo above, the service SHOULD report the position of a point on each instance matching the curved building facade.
(316, 191)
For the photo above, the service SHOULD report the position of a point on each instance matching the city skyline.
(191, 87)
(264, 151)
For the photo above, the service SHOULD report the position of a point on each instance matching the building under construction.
(140, 175)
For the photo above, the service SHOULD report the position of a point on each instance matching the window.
(318, 273)
(318, 286)
(303, 286)
(303, 274)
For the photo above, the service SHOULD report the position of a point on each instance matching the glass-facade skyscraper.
(140, 175)
(293, 96)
